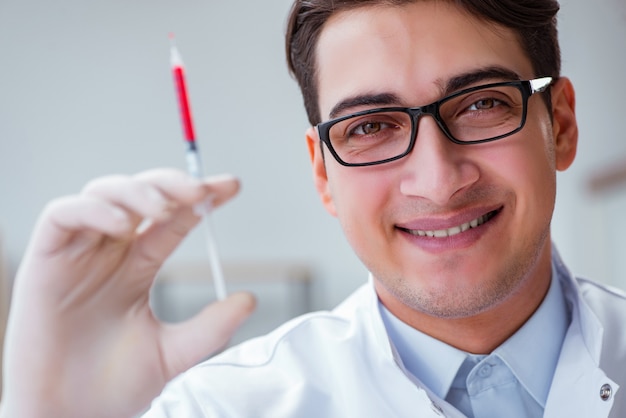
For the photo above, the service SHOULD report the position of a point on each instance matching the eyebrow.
(374, 100)
(461, 81)
(450, 86)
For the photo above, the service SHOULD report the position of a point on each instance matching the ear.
(320, 177)
(565, 127)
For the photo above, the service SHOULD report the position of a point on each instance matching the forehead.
(409, 51)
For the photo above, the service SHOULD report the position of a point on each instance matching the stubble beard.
(463, 301)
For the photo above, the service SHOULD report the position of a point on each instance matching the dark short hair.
(534, 22)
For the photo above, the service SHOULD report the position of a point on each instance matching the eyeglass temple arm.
(539, 84)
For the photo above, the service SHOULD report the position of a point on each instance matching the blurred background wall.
(86, 90)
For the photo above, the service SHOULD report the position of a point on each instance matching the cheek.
(361, 197)
(526, 165)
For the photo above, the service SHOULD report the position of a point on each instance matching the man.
(439, 129)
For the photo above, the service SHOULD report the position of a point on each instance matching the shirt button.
(605, 392)
(485, 371)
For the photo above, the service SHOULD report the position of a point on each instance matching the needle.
(194, 166)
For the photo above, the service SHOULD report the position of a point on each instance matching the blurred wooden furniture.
(608, 177)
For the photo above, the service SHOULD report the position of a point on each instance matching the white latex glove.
(82, 340)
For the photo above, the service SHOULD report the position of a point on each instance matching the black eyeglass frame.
(526, 87)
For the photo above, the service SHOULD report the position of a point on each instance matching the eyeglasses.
(471, 116)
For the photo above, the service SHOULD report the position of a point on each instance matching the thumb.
(186, 343)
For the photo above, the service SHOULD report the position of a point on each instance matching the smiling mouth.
(449, 232)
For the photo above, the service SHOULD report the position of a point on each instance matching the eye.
(369, 128)
(485, 104)
(379, 126)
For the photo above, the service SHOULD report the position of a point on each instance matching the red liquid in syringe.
(178, 70)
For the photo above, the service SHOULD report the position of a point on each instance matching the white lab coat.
(341, 364)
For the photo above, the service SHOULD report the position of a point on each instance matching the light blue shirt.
(513, 381)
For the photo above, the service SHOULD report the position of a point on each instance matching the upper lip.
(441, 222)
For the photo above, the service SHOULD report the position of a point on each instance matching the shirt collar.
(431, 361)
(531, 353)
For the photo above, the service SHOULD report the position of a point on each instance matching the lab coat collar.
(578, 380)
(590, 326)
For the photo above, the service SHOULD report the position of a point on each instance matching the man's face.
(411, 53)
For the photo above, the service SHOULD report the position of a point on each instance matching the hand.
(82, 340)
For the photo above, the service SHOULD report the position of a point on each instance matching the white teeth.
(454, 231)
(442, 233)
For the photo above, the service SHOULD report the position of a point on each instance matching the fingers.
(63, 216)
(187, 343)
(68, 232)
(114, 206)
(221, 188)
(140, 199)
(156, 193)
(151, 195)
(218, 189)
(159, 239)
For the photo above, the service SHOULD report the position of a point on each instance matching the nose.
(436, 169)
